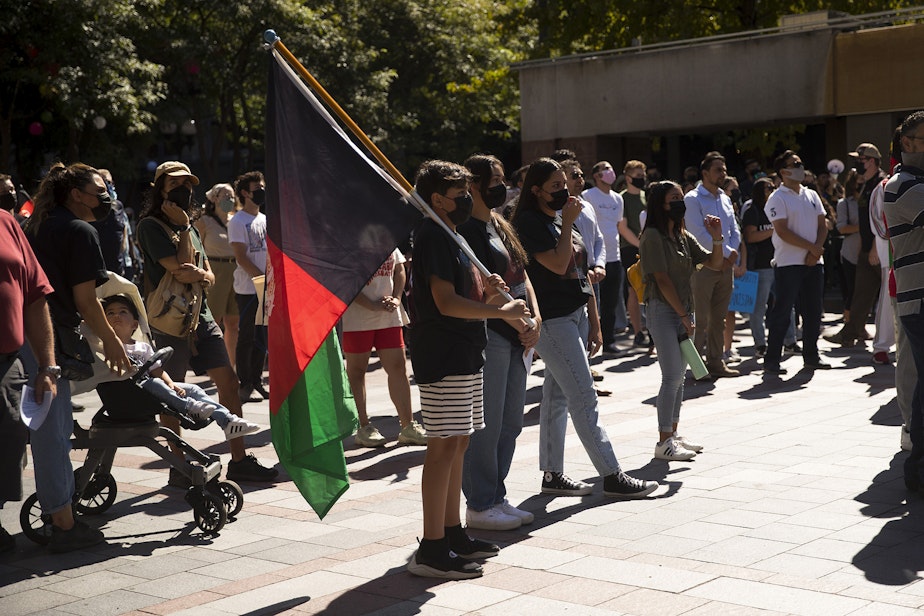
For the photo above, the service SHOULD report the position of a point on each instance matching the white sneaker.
(906, 439)
(491, 519)
(671, 450)
(686, 444)
(199, 409)
(369, 436)
(238, 427)
(412, 434)
(525, 516)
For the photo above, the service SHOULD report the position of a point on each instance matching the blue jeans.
(913, 326)
(160, 390)
(569, 388)
(805, 284)
(664, 326)
(764, 288)
(490, 451)
(51, 444)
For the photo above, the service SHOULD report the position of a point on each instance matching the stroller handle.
(161, 355)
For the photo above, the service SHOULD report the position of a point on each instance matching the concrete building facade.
(847, 79)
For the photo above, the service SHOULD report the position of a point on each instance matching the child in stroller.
(122, 315)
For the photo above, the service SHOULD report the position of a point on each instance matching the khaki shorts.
(220, 296)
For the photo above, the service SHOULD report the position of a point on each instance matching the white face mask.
(796, 174)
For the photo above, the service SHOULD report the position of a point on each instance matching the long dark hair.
(55, 190)
(759, 192)
(538, 174)
(154, 201)
(481, 167)
(655, 214)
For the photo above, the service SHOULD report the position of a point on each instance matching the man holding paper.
(23, 287)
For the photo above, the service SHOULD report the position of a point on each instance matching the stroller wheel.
(231, 495)
(35, 525)
(209, 512)
(98, 496)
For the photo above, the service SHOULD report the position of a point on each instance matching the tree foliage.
(425, 78)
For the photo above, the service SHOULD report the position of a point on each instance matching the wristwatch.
(53, 371)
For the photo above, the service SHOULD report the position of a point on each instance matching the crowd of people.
(557, 245)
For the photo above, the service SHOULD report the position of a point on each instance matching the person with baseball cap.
(170, 201)
(867, 160)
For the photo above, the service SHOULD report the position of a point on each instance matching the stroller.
(128, 419)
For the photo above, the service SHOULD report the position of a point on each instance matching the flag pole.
(272, 41)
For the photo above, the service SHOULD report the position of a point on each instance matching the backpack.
(173, 306)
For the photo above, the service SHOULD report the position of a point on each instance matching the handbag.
(173, 306)
(73, 354)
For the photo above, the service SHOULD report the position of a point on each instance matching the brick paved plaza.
(797, 506)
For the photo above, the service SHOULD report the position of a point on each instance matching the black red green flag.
(333, 217)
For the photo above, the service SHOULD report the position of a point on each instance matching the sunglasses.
(577, 175)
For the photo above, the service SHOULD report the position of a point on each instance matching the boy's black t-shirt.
(443, 346)
(488, 246)
(68, 250)
(761, 253)
(558, 295)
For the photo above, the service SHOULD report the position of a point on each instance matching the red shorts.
(364, 341)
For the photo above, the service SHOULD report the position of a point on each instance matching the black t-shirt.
(68, 250)
(488, 246)
(558, 295)
(443, 346)
(111, 232)
(760, 253)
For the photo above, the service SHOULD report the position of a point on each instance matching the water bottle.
(692, 356)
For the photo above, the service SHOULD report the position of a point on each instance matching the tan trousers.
(711, 293)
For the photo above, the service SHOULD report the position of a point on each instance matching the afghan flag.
(333, 217)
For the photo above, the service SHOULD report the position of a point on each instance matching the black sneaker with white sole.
(467, 548)
(433, 559)
(620, 485)
(561, 484)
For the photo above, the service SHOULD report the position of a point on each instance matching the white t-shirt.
(249, 230)
(358, 318)
(800, 211)
(609, 208)
(140, 352)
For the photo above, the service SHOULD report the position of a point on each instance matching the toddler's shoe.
(238, 427)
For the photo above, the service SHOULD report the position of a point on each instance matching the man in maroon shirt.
(23, 287)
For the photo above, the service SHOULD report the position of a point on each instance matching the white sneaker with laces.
(369, 436)
(525, 516)
(239, 427)
(491, 519)
(671, 450)
(199, 409)
(687, 444)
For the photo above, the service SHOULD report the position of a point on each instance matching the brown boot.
(718, 370)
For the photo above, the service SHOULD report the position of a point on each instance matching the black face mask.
(8, 201)
(861, 168)
(103, 207)
(638, 182)
(463, 210)
(559, 199)
(495, 196)
(258, 196)
(180, 195)
(678, 209)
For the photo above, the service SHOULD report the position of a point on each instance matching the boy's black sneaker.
(561, 484)
(433, 559)
(248, 469)
(620, 485)
(467, 548)
(80, 536)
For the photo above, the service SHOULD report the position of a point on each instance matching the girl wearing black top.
(544, 219)
(490, 451)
